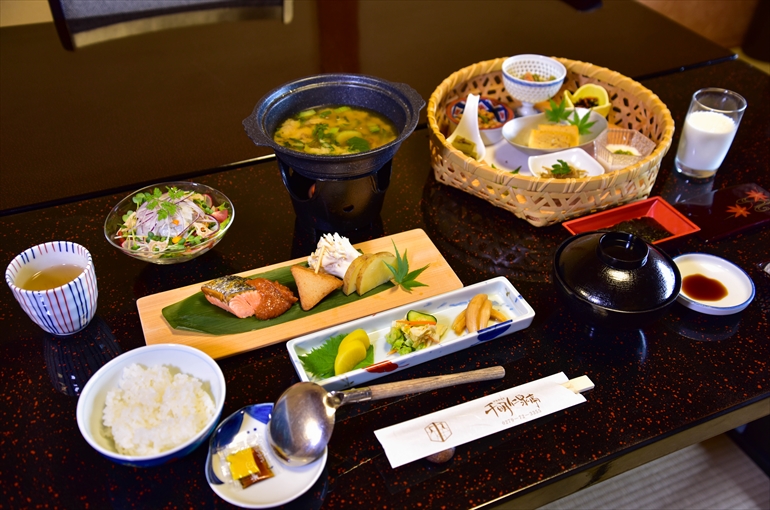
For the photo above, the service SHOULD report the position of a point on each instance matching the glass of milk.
(709, 129)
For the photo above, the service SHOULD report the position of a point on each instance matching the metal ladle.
(303, 417)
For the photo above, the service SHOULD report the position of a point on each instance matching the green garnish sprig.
(154, 201)
(561, 168)
(401, 275)
(558, 113)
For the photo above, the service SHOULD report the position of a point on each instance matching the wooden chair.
(84, 22)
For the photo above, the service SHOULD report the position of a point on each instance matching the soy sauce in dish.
(703, 288)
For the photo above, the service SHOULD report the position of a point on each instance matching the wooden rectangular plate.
(439, 278)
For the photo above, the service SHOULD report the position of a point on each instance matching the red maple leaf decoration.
(756, 195)
(738, 211)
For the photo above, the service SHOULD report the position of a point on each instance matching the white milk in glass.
(706, 138)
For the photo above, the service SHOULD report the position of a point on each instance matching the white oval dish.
(517, 131)
(287, 484)
(740, 288)
(575, 157)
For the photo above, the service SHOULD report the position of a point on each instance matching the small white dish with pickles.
(506, 312)
(570, 163)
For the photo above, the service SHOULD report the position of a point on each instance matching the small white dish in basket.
(618, 148)
(575, 158)
(444, 307)
(517, 131)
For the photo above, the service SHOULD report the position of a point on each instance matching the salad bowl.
(170, 222)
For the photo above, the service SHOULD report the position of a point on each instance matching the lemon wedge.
(590, 90)
(348, 356)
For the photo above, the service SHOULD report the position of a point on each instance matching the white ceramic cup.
(709, 128)
(61, 310)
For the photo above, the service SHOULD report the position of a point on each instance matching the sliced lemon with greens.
(590, 96)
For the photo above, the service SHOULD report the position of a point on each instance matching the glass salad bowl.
(169, 222)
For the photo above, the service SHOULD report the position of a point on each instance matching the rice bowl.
(180, 360)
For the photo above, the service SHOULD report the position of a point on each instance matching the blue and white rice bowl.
(179, 358)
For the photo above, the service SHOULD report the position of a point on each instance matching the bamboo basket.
(545, 201)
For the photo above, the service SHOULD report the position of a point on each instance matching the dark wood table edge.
(604, 470)
(698, 65)
(135, 186)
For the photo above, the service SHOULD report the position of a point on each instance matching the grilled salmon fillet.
(243, 297)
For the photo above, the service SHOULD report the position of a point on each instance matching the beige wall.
(24, 12)
(723, 21)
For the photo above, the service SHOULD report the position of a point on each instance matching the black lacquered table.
(134, 111)
(678, 381)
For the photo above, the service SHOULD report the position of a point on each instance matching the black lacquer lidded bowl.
(615, 279)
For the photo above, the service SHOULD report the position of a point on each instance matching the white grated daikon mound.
(153, 411)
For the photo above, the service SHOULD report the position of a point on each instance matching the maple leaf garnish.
(401, 275)
(738, 211)
(757, 196)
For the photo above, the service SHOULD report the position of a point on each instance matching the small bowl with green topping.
(619, 148)
(170, 222)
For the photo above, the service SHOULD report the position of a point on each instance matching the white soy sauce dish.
(713, 285)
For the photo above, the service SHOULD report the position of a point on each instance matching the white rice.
(153, 411)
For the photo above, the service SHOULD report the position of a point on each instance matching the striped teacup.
(69, 305)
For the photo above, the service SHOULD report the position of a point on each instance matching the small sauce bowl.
(492, 117)
(739, 286)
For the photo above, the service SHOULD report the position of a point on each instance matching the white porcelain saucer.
(740, 288)
(288, 483)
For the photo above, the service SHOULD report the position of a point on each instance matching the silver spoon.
(303, 417)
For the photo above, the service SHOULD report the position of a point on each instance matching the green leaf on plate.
(320, 361)
(195, 313)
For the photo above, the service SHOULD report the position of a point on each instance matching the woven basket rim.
(496, 64)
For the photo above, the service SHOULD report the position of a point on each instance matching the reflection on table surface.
(659, 388)
(169, 104)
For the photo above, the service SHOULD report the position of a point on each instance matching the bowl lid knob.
(621, 250)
